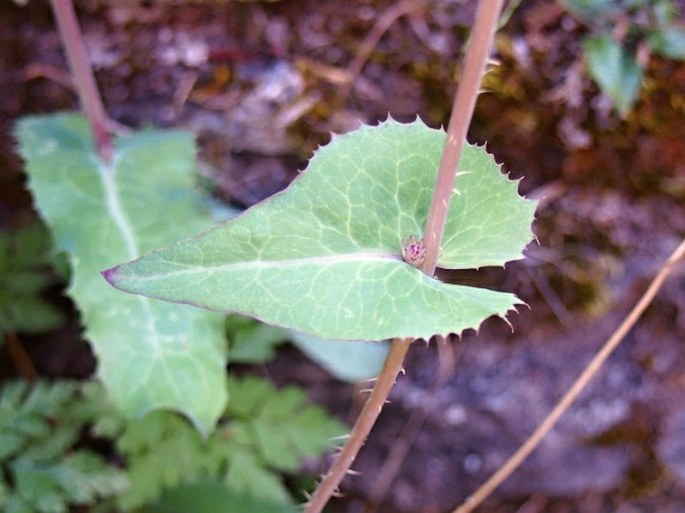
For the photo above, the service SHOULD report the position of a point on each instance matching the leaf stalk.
(89, 96)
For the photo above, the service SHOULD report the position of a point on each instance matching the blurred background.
(584, 101)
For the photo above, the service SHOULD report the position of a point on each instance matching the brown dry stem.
(576, 388)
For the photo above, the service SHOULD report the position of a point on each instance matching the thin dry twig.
(576, 388)
(383, 23)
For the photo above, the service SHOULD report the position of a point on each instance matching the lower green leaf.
(264, 431)
(26, 258)
(150, 354)
(42, 469)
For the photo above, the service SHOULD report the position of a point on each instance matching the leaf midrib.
(116, 211)
(256, 265)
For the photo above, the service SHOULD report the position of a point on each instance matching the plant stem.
(576, 388)
(89, 96)
(474, 67)
(482, 35)
(447, 359)
(362, 428)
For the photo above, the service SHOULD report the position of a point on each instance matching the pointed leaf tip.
(110, 275)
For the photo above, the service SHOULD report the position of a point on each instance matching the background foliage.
(608, 185)
(48, 463)
(27, 269)
(43, 468)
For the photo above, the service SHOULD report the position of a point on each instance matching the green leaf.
(246, 395)
(280, 425)
(39, 429)
(150, 354)
(212, 497)
(248, 476)
(77, 478)
(593, 11)
(84, 477)
(162, 450)
(36, 486)
(18, 505)
(5, 492)
(323, 257)
(26, 259)
(668, 42)
(265, 430)
(346, 360)
(250, 341)
(664, 11)
(616, 72)
(27, 416)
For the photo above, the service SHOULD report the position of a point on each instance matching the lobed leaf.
(323, 257)
(162, 450)
(41, 468)
(264, 430)
(281, 426)
(250, 341)
(249, 476)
